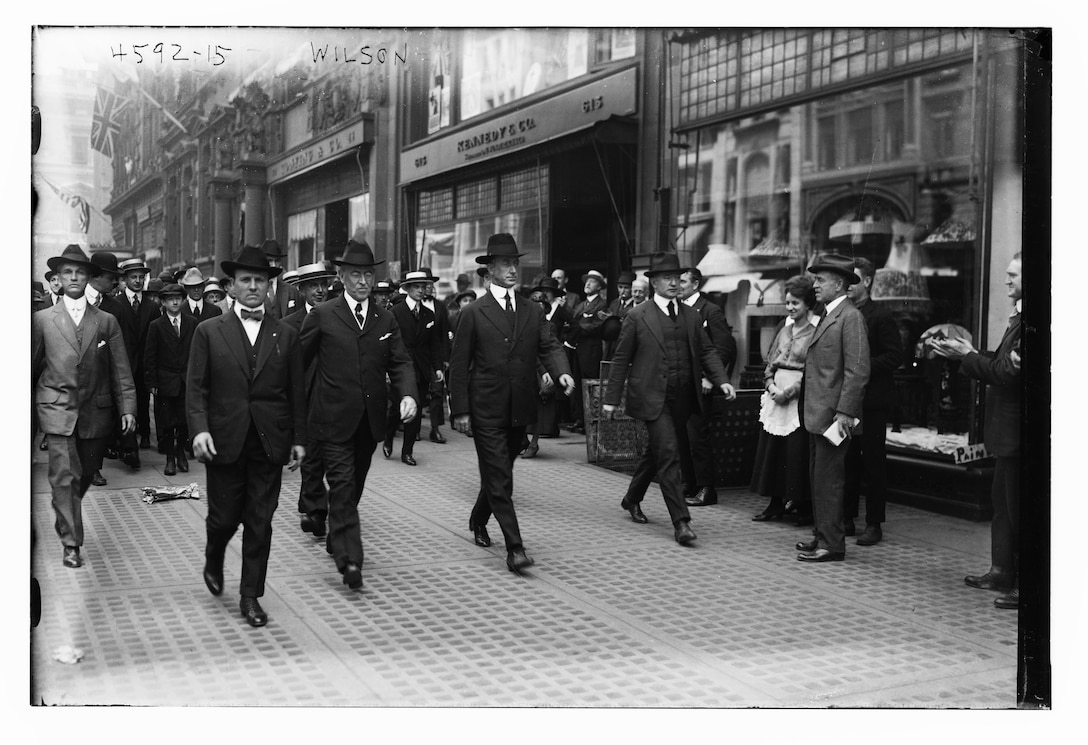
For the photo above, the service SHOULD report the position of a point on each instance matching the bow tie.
(256, 315)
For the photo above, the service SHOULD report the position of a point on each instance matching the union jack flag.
(106, 124)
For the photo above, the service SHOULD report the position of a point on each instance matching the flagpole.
(162, 108)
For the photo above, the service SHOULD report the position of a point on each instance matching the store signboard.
(969, 453)
(322, 151)
(562, 114)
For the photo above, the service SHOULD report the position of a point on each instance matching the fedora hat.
(481, 271)
(213, 286)
(191, 278)
(73, 254)
(837, 264)
(171, 289)
(664, 262)
(594, 274)
(419, 276)
(167, 277)
(50, 274)
(357, 254)
(250, 257)
(106, 262)
(309, 272)
(383, 286)
(625, 278)
(547, 284)
(272, 249)
(133, 265)
(500, 245)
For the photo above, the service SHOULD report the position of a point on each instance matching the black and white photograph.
(664, 369)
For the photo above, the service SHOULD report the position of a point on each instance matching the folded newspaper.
(153, 494)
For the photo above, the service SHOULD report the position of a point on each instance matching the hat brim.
(230, 267)
(602, 280)
(56, 261)
(340, 262)
(850, 277)
(488, 258)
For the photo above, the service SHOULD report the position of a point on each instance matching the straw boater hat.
(419, 276)
(192, 278)
(172, 289)
(133, 265)
(310, 272)
(383, 287)
(664, 263)
(250, 257)
(73, 254)
(213, 286)
(594, 274)
(106, 263)
(290, 276)
(500, 245)
(837, 264)
(357, 254)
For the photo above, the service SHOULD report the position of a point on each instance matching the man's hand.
(1014, 356)
(953, 349)
(407, 409)
(203, 447)
(460, 423)
(128, 424)
(707, 386)
(727, 389)
(846, 424)
(546, 383)
(604, 315)
(608, 410)
(567, 382)
(298, 454)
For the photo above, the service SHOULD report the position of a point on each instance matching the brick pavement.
(613, 614)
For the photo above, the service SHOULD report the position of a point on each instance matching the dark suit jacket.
(287, 300)
(78, 389)
(717, 328)
(134, 330)
(493, 370)
(222, 396)
(586, 337)
(295, 321)
(424, 339)
(207, 310)
(352, 364)
(885, 355)
(639, 360)
(836, 368)
(1002, 427)
(442, 321)
(166, 355)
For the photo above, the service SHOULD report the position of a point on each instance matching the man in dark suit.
(136, 314)
(1000, 370)
(313, 498)
(193, 281)
(424, 340)
(662, 355)
(830, 403)
(696, 457)
(283, 298)
(617, 309)
(570, 299)
(866, 455)
(589, 315)
(246, 404)
(100, 293)
(355, 345)
(165, 364)
(493, 387)
(82, 383)
(436, 403)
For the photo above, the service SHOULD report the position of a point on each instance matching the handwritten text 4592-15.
(214, 54)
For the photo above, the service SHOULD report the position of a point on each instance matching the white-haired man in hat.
(82, 385)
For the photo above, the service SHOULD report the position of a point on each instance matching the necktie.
(135, 303)
(97, 299)
(255, 315)
(510, 309)
(672, 310)
(177, 327)
(359, 314)
(415, 311)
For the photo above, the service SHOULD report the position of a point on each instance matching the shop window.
(301, 238)
(359, 216)
(477, 198)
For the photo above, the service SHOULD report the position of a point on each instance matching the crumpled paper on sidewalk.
(153, 494)
(67, 655)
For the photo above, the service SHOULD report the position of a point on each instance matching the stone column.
(254, 181)
(222, 192)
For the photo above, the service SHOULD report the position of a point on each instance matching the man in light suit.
(355, 345)
(662, 356)
(425, 341)
(81, 383)
(832, 392)
(1000, 370)
(246, 405)
(493, 387)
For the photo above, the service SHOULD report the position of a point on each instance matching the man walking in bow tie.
(246, 404)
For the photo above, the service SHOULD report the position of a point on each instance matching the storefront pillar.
(222, 192)
(254, 181)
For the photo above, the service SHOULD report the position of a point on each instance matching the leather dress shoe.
(252, 610)
(1010, 601)
(353, 576)
(436, 436)
(530, 452)
(635, 510)
(516, 560)
(790, 508)
(407, 460)
(683, 533)
(98, 479)
(768, 514)
(132, 459)
(112, 453)
(848, 527)
(313, 522)
(479, 534)
(213, 578)
(807, 546)
(990, 581)
(145, 443)
(705, 496)
(171, 467)
(72, 559)
(821, 554)
(871, 536)
(182, 461)
(387, 449)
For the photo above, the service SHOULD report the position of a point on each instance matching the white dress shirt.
(76, 308)
(251, 325)
(500, 294)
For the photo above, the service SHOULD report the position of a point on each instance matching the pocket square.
(430, 324)
(101, 344)
(705, 323)
(386, 336)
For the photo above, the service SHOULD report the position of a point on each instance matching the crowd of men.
(261, 368)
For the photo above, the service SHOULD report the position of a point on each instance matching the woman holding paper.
(782, 463)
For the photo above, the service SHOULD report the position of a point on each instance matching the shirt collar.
(130, 294)
(591, 298)
(238, 308)
(499, 292)
(77, 304)
(1018, 306)
(813, 320)
(690, 302)
(195, 303)
(353, 303)
(309, 307)
(835, 303)
(411, 303)
(91, 294)
(663, 302)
